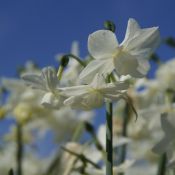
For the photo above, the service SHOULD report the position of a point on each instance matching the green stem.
(19, 154)
(76, 58)
(54, 165)
(60, 72)
(109, 140)
(162, 165)
(10, 172)
(78, 132)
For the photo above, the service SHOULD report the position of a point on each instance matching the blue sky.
(39, 29)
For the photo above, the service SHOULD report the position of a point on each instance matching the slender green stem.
(90, 129)
(77, 58)
(10, 172)
(162, 165)
(82, 157)
(60, 72)
(109, 140)
(19, 154)
(54, 165)
(78, 132)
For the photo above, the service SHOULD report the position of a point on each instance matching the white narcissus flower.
(128, 58)
(47, 82)
(166, 75)
(91, 96)
(166, 144)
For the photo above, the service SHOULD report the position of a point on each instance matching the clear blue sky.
(40, 29)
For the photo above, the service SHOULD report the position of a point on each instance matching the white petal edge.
(102, 44)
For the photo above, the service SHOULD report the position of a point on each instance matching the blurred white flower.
(130, 57)
(72, 70)
(117, 140)
(47, 82)
(22, 102)
(70, 162)
(116, 169)
(166, 144)
(142, 168)
(165, 75)
(91, 96)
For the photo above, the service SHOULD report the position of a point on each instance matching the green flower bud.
(170, 41)
(109, 25)
(64, 61)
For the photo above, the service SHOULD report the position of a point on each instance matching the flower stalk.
(109, 140)
(19, 154)
(76, 58)
(162, 165)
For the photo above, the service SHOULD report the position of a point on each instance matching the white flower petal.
(49, 76)
(93, 100)
(74, 90)
(102, 44)
(161, 147)
(13, 85)
(167, 126)
(85, 102)
(98, 81)
(120, 141)
(132, 28)
(104, 67)
(112, 97)
(126, 64)
(113, 87)
(123, 167)
(76, 102)
(34, 81)
(143, 66)
(75, 48)
(140, 42)
(49, 100)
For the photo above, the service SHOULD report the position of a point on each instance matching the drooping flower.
(47, 82)
(128, 58)
(93, 95)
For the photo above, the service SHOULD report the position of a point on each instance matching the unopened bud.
(109, 25)
(64, 61)
(89, 127)
(170, 41)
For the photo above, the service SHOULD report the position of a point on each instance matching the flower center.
(118, 51)
(94, 91)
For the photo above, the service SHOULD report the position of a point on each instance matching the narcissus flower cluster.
(54, 106)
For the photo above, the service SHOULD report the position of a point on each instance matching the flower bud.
(64, 61)
(109, 25)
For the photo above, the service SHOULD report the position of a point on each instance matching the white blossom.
(47, 82)
(129, 57)
(165, 75)
(165, 144)
(91, 96)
